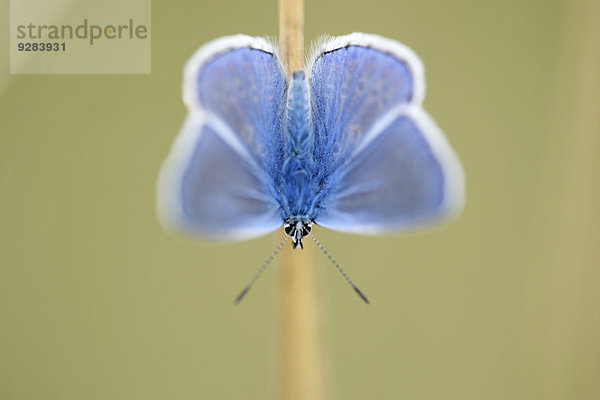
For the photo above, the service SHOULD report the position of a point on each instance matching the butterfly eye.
(289, 229)
(306, 229)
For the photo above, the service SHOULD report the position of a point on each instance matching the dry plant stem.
(291, 34)
(301, 353)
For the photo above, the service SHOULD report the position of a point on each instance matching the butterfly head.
(297, 228)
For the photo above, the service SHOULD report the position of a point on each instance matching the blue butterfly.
(344, 144)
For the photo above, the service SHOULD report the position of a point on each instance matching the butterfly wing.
(387, 166)
(217, 181)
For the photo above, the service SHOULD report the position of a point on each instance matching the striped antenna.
(339, 268)
(260, 271)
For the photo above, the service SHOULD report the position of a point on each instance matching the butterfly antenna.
(344, 274)
(260, 271)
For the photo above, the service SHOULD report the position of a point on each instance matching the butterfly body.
(344, 144)
(297, 187)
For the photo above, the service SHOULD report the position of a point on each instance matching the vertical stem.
(291, 34)
(301, 356)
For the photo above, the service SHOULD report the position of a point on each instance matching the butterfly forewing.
(244, 87)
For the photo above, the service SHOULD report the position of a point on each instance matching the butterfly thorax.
(298, 189)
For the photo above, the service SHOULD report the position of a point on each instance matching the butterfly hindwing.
(405, 177)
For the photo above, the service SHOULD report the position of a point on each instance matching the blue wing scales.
(397, 181)
(218, 179)
(385, 164)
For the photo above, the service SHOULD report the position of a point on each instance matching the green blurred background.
(98, 302)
